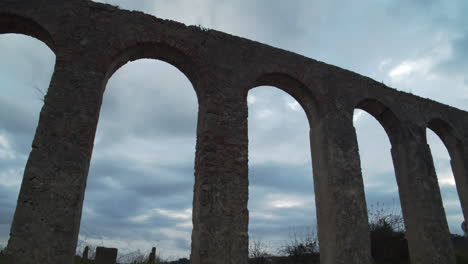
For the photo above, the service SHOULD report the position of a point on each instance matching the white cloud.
(408, 67)
(176, 214)
(357, 115)
(185, 224)
(185, 214)
(11, 177)
(147, 152)
(263, 215)
(6, 151)
(112, 183)
(422, 64)
(140, 218)
(384, 63)
(445, 177)
(251, 99)
(294, 105)
(264, 114)
(88, 211)
(285, 201)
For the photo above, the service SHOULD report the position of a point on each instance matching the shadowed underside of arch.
(456, 150)
(161, 52)
(10, 23)
(447, 134)
(294, 88)
(384, 115)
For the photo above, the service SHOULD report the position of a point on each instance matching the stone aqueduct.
(91, 41)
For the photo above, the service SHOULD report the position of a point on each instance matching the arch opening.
(383, 115)
(294, 88)
(446, 155)
(26, 69)
(140, 184)
(175, 57)
(387, 228)
(281, 189)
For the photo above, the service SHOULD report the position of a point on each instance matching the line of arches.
(395, 129)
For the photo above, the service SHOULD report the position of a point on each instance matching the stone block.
(106, 255)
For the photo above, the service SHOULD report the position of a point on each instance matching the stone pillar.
(47, 218)
(220, 214)
(343, 227)
(426, 225)
(152, 256)
(85, 253)
(105, 255)
(459, 162)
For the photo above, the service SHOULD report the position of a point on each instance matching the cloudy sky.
(140, 185)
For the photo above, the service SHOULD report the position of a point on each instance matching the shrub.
(258, 253)
(303, 249)
(387, 234)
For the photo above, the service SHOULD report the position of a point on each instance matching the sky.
(140, 185)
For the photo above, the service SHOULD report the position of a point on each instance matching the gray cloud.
(458, 62)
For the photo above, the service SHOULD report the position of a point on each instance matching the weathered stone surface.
(92, 40)
(339, 191)
(426, 225)
(105, 255)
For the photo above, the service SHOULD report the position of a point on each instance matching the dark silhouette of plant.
(258, 253)
(387, 234)
(303, 249)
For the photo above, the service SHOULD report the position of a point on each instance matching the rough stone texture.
(91, 41)
(339, 191)
(105, 255)
(428, 241)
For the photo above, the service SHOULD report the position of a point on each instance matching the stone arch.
(11, 23)
(291, 86)
(384, 115)
(392, 127)
(451, 140)
(158, 51)
(152, 138)
(287, 84)
(447, 134)
(25, 35)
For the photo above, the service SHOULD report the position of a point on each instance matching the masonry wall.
(91, 41)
